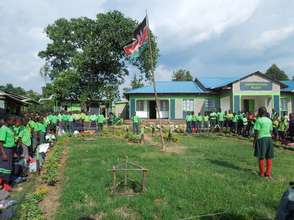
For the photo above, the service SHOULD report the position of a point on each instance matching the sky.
(210, 38)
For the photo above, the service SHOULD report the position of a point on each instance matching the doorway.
(152, 109)
(249, 105)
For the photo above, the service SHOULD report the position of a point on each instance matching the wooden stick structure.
(125, 168)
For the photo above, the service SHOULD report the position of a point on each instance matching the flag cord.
(154, 85)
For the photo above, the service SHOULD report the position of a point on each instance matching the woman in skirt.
(7, 144)
(263, 145)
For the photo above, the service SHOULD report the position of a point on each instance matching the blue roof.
(290, 85)
(169, 87)
(215, 82)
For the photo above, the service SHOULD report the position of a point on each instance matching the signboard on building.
(256, 86)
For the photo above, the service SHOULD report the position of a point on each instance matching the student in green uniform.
(229, 118)
(212, 120)
(100, 120)
(7, 143)
(282, 127)
(199, 122)
(87, 122)
(206, 121)
(263, 146)
(33, 126)
(194, 122)
(189, 119)
(235, 123)
(136, 123)
(70, 123)
(221, 119)
(25, 136)
(276, 122)
(40, 130)
(93, 119)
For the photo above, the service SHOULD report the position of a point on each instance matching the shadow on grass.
(229, 165)
(233, 216)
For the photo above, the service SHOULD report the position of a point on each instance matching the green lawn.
(212, 174)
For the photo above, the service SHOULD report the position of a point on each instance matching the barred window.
(188, 105)
(284, 104)
(210, 104)
(164, 105)
(140, 105)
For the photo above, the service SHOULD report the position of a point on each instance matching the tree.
(137, 83)
(182, 75)
(276, 73)
(91, 53)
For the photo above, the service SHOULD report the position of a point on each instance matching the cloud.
(272, 37)
(209, 38)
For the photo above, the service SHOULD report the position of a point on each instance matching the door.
(246, 105)
(251, 105)
(152, 109)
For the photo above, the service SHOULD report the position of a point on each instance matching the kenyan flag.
(139, 43)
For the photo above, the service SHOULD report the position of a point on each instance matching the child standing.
(263, 146)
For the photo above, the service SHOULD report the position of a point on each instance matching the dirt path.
(50, 203)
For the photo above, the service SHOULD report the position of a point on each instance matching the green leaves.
(91, 53)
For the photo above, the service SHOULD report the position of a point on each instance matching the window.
(210, 105)
(140, 105)
(284, 104)
(2, 104)
(164, 105)
(188, 105)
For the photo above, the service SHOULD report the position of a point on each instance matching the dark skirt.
(6, 165)
(264, 148)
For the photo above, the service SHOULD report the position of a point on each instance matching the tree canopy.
(137, 83)
(85, 58)
(276, 73)
(182, 75)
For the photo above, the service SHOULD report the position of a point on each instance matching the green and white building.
(245, 94)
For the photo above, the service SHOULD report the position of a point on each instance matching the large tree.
(85, 58)
(182, 75)
(276, 73)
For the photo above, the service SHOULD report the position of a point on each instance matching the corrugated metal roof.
(169, 87)
(215, 82)
(290, 85)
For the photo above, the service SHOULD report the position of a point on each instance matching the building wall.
(198, 104)
(254, 78)
(225, 102)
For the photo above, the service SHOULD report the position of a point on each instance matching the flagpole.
(154, 84)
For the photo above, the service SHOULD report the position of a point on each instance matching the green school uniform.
(264, 146)
(100, 118)
(32, 124)
(54, 119)
(282, 125)
(136, 119)
(213, 116)
(199, 118)
(205, 118)
(93, 117)
(189, 118)
(87, 118)
(221, 116)
(230, 116)
(25, 136)
(70, 118)
(7, 137)
(82, 116)
(40, 127)
(235, 118)
(264, 127)
(194, 118)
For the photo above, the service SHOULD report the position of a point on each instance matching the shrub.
(29, 209)
(50, 172)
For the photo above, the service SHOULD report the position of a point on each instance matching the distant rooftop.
(169, 87)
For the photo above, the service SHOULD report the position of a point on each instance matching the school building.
(245, 94)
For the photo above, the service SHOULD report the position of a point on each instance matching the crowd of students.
(239, 123)
(21, 136)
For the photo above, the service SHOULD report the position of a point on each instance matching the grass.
(213, 174)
